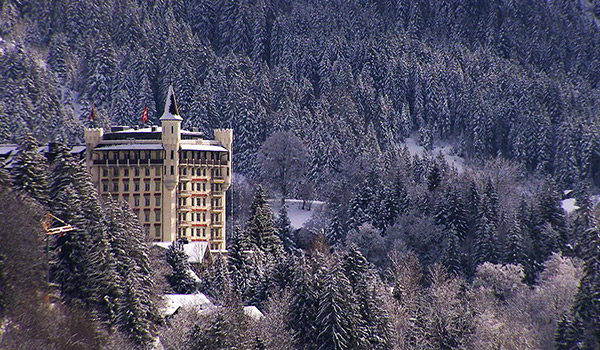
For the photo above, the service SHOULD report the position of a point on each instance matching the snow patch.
(446, 150)
(568, 205)
(298, 216)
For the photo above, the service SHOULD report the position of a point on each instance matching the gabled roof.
(171, 111)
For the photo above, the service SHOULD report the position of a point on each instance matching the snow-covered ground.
(569, 205)
(298, 216)
(447, 150)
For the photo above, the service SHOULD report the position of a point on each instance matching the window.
(198, 201)
(136, 186)
(147, 186)
(115, 187)
(104, 187)
(126, 172)
(116, 172)
(137, 171)
(172, 154)
(157, 215)
(126, 186)
(198, 216)
(104, 172)
(172, 131)
(147, 201)
(197, 232)
(157, 200)
(172, 170)
(204, 232)
(184, 171)
(204, 201)
(157, 231)
(157, 185)
(146, 215)
(157, 171)
(203, 216)
(147, 171)
(183, 201)
(184, 216)
(136, 201)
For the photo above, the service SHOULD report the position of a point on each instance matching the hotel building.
(174, 179)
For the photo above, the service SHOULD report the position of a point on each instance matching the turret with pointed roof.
(171, 111)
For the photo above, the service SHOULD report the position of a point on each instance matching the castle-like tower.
(171, 138)
(174, 179)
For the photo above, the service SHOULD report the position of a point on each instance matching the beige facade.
(173, 179)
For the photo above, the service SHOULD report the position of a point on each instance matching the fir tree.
(284, 227)
(451, 213)
(180, 279)
(486, 249)
(29, 170)
(337, 319)
(261, 228)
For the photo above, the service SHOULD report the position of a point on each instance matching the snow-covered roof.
(253, 312)
(195, 250)
(130, 146)
(140, 130)
(7, 148)
(77, 149)
(175, 301)
(171, 111)
(213, 148)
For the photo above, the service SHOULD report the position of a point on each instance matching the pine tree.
(284, 227)
(337, 316)
(372, 324)
(180, 279)
(261, 228)
(335, 234)
(486, 249)
(29, 170)
(451, 213)
(216, 281)
(304, 305)
(514, 249)
(580, 330)
(547, 210)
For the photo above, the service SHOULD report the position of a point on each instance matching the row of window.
(193, 171)
(157, 230)
(146, 215)
(200, 202)
(201, 217)
(126, 171)
(125, 187)
(202, 155)
(200, 232)
(133, 155)
(199, 186)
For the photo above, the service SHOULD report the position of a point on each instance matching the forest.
(410, 251)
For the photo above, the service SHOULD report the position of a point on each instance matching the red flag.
(93, 114)
(145, 115)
